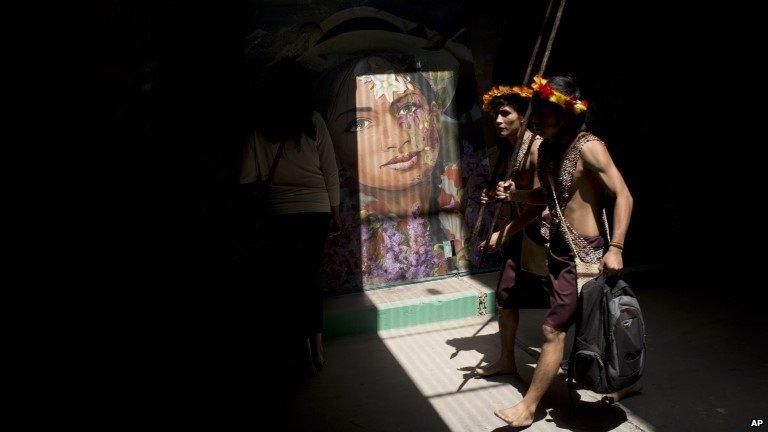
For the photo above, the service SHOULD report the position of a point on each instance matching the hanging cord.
(497, 167)
(524, 126)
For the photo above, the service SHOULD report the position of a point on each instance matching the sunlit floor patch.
(439, 359)
(421, 378)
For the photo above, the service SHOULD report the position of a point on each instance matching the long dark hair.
(283, 99)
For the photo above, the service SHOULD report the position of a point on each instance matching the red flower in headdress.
(545, 91)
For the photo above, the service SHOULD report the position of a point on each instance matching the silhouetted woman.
(303, 194)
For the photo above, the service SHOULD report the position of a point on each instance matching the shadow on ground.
(362, 387)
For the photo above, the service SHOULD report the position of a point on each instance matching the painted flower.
(450, 187)
(386, 84)
(421, 259)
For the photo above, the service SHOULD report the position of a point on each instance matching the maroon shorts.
(517, 288)
(561, 284)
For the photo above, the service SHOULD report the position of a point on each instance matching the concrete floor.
(419, 379)
(707, 371)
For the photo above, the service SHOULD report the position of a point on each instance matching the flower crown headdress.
(500, 91)
(546, 92)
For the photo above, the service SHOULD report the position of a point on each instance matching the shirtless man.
(506, 104)
(584, 175)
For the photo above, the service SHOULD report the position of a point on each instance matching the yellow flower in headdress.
(546, 92)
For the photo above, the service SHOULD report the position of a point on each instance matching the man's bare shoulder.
(594, 152)
(593, 143)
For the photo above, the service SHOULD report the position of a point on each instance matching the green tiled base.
(409, 313)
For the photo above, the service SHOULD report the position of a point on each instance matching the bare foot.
(501, 367)
(519, 415)
(623, 393)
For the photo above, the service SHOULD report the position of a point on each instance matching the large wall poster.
(411, 165)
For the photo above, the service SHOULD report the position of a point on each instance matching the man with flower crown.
(577, 176)
(523, 239)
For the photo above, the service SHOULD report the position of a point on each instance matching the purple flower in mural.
(469, 162)
(387, 263)
(422, 256)
(392, 252)
(392, 269)
(392, 263)
(366, 237)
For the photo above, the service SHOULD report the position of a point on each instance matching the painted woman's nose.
(406, 147)
(395, 136)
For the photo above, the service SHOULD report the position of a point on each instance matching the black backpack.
(608, 352)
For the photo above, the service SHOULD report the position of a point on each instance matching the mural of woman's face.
(388, 133)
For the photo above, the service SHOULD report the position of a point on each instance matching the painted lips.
(402, 162)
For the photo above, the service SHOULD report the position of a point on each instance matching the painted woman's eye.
(357, 125)
(408, 108)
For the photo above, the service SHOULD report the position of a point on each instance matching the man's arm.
(527, 216)
(536, 199)
(596, 158)
(505, 191)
